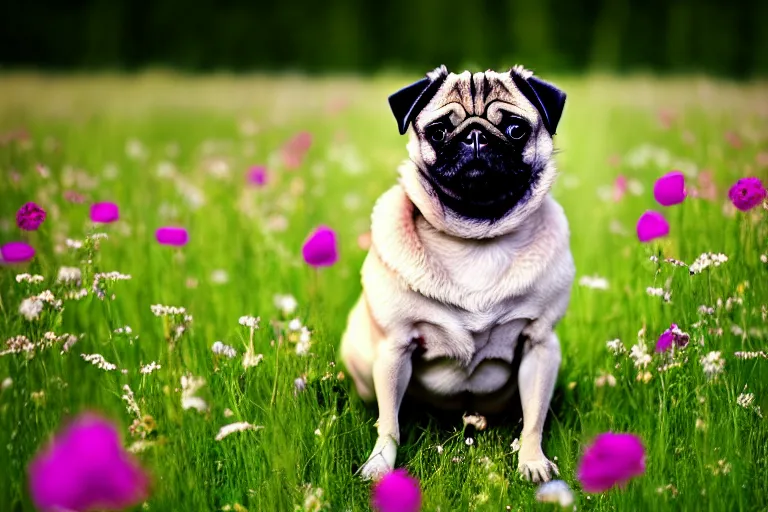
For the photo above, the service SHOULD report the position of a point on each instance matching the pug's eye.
(517, 129)
(436, 132)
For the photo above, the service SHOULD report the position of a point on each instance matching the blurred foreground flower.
(651, 225)
(670, 189)
(257, 175)
(396, 492)
(320, 248)
(747, 193)
(104, 212)
(294, 150)
(612, 459)
(30, 216)
(670, 337)
(619, 187)
(86, 468)
(169, 235)
(555, 491)
(16, 252)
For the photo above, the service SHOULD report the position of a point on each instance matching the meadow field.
(250, 166)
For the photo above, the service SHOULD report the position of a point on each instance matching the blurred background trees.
(716, 37)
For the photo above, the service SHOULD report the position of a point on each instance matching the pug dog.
(470, 257)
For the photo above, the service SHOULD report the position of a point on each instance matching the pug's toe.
(538, 471)
(381, 461)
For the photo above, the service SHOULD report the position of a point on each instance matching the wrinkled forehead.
(486, 95)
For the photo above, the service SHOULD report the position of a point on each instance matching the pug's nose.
(476, 140)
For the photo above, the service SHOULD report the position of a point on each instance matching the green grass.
(79, 128)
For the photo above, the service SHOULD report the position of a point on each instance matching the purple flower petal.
(16, 252)
(30, 216)
(104, 212)
(665, 341)
(84, 468)
(257, 175)
(670, 189)
(170, 235)
(651, 225)
(320, 249)
(612, 459)
(747, 193)
(396, 492)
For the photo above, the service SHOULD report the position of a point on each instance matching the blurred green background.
(726, 38)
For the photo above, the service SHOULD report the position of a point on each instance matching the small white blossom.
(160, 310)
(705, 260)
(240, 426)
(712, 364)
(299, 385)
(706, 310)
(48, 297)
(764, 258)
(31, 279)
(74, 244)
(594, 282)
(639, 354)
(149, 368)
(655, 292)
(190, 385)
(249, 321)
(31, 308)
(69, 275)
(130, 401)
(751, 355)
(250, 358)
(286, 303)
(294, 325)
(219, 276)
(76, 294)
(745, 400)
(302, 347)
(221, 349)
(123, 330)
(555, 491)
(98, 360)
(605, 379)
(616, 347)
(6, 384)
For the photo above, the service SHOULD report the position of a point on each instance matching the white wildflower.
(555, 491)
(515, 445)
(130, 401)
(764, 258)
(228, 413)
(149, 368)
(639, 354)
(605, 379)
(655, 292)
(74, 244)
(135, 149)
(69, 275)
(160, 310)
(318, 432)
(616, 347)
(98, 236)
(737, 330)
(751, 355)
(123, 330)
(98, 360)
(295, 325)
(249, 321)
(28, 278)
(705, 260)
(31, 308)
(286, 303)
(302, 347)
(299, 385)
(18, 344)
(6, 384)
(76, 294)
(712, 364)
(190, 385)
(221, 349)
(594, 282)
(745, 400)
(240, 426)
(219, 276)
(48, 297)
(250, 358)
(439, 449)
(706, 310)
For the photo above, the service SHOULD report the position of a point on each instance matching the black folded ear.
(548, 99)
(409, 101)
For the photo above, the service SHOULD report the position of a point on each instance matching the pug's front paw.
(538, 470)
(381, 461)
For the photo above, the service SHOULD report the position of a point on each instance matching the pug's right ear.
(409, 101)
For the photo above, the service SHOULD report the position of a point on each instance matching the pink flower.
(747, 193)
(104, 212)
(86, 468)
(170, 235)
(651, 225)
(30, 216)
(294, 150)
(16, 252)
(396, 492)
(706, 185)
(619, 187)
(670, 189)
(672, 336)
(73, 196)
(320, 249)
(612, 459)
(257, 175)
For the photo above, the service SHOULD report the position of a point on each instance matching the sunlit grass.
(175, 150)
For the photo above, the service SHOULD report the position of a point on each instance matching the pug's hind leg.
(391, 373)
(536, 381)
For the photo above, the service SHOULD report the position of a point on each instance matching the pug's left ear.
(548, 99)
(409, 101)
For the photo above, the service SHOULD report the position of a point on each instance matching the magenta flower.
(320, 248)
(651, 225)
(670, 337)
(612, 459)
(257, 175)
(86, 468)
(396, 492)
(16, 252)
(104, 212)
(170, 235)
(747, 193)
(670, 189)
(30, 216)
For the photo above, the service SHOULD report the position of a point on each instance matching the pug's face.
(481, 143)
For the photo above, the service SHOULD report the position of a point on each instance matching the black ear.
(408, 101)
(548, 99)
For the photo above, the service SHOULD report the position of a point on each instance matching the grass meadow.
(175, 150)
